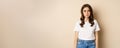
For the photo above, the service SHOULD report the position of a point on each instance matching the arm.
(96, 39)
(75, 39)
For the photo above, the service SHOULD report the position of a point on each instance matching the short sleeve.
(76, 28)
(97, 28)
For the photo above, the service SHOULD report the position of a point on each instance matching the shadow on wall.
(101, 32)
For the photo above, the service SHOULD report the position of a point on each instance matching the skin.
(86, 13)
(75, 39)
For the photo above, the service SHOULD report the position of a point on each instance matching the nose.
(86, 12)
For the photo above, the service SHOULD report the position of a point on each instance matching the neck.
(86, 19)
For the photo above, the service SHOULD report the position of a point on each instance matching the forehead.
(86, 8)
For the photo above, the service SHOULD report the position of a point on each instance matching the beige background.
(50, 23)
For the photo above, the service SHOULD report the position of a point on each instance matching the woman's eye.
(84, 11)
(88, 10)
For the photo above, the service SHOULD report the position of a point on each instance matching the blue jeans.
(86, 44)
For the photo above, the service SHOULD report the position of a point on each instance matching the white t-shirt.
(86, 32)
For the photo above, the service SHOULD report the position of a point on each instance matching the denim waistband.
(86, 40)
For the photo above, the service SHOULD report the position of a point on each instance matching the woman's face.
(86, 12)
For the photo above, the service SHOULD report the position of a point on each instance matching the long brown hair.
(91, 17)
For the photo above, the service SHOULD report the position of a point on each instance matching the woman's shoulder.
(95, 20)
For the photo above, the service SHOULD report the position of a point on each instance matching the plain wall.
(50, 23)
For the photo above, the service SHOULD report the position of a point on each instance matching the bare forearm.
(75, 39)
(96, 41)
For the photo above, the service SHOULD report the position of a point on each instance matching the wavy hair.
(91, 17)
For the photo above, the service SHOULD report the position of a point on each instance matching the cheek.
(89, 13)
(84, 13)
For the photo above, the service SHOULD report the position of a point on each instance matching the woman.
(86, 29)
